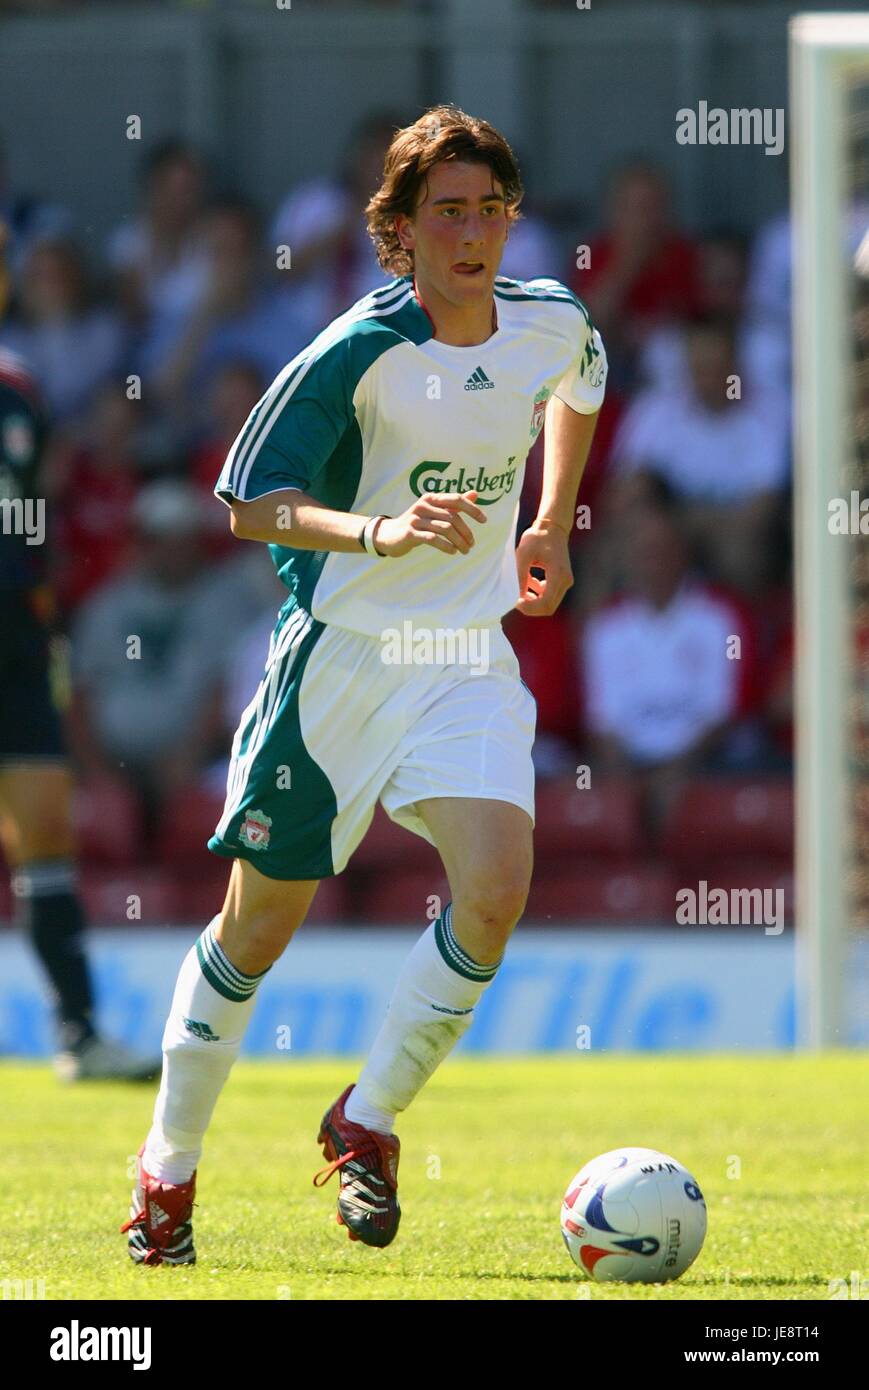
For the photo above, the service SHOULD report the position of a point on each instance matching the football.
(635, 1215)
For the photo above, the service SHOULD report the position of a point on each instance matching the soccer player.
(383, 468)
(36, 830)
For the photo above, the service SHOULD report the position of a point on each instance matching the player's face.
(458, 232)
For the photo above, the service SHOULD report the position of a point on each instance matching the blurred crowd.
(673, 651)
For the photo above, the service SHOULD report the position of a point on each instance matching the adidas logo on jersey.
(478, 381)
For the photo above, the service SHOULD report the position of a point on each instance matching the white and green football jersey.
(377, 412)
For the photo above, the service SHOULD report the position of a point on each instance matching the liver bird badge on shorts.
(255, 830)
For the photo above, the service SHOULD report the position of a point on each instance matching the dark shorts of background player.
(30, 725)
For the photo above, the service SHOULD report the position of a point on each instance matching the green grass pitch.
(487, 1151)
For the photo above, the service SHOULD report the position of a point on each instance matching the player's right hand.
(436, 521)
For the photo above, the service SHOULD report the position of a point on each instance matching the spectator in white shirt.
(763, 344)
(242, 314)
(722, 442)
(158, 259)
(73, 344)
(770, 280)
(332, 258)
(666, 668)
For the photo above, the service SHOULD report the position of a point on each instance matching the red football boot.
(160, 1226)
(368, 1199)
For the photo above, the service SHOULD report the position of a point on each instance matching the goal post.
(829, 78)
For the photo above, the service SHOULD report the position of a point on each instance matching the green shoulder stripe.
(542, 289)
(310, 403)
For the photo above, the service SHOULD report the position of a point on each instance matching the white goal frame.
(825, 51)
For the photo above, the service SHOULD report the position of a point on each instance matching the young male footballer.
(383, 468)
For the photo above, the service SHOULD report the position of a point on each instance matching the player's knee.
(254, 940)
(260, 916)
(495, 900)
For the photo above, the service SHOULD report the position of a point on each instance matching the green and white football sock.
(431, 1007)
(210, 1011)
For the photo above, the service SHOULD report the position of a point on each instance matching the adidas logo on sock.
(201, 1030)
(478, 381)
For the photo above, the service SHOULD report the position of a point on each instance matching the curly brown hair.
(441, 133)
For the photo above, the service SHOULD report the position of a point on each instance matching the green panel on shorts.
(288, 830)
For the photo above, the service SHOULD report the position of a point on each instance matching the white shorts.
(333, 728)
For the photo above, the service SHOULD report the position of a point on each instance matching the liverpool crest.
(255, 830)
(539, 411)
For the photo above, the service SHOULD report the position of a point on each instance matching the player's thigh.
(487, 849)
(260, 915)
(35, 810)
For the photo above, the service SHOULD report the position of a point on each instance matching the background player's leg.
(211, 1008)
(486, 848)
(37, 837)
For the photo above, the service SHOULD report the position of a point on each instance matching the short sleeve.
(582, 387)
(292, 432)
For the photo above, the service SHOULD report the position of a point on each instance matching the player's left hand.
(543, 546)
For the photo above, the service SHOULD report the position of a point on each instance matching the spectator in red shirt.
(233, 394)
(94, 490)
(643, 271)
